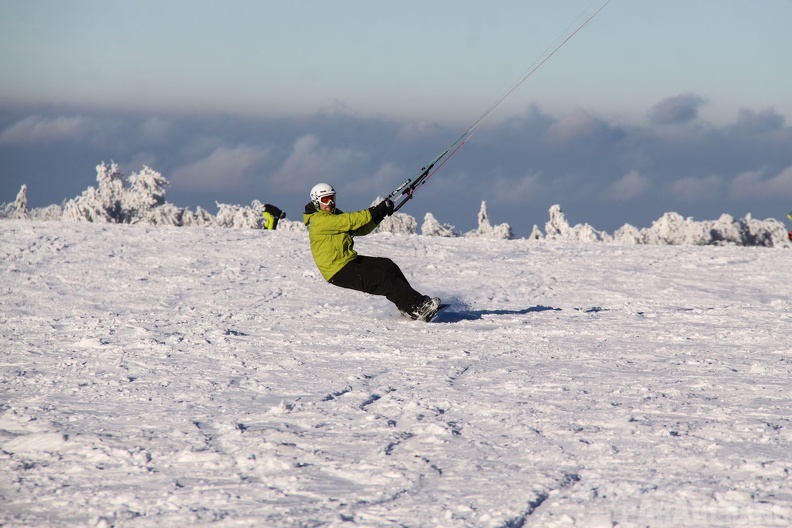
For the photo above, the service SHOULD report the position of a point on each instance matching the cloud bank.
(607, 171)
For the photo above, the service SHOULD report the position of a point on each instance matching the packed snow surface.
(163, 376)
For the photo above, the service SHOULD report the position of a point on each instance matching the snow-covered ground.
(185, 376)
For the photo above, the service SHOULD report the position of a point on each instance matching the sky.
(651, 107)
(196, 384)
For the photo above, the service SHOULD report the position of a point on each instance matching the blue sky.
(652, 107)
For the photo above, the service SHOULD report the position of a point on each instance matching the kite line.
(409, 187)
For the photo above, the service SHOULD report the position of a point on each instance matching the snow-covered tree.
(49, 213)
(431, 227)
(146, 192)
(291, 225)
(770, 232)
(628, 234)
(200, 218)
(486, 230)
(239, 217)
(111, 191)
(86, 208)
(20, 205)
(6, 210)
(673, 229)
(101, 205)
(397, 223)
(142, 201)
(165, 214)
(557, 228)
(536, 233)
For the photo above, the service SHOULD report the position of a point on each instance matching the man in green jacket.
(331, 231)
(271, 216)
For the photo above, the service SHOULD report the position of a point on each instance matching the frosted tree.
(725, 231)
(86, 208)
(291, 225)
(52, 212)
(146, 192)
(142, 201)
(20, 205)
(7, 210)
(673, 229)
(111, 190)
(397, 223)
(536, 233)
(628, 234)
(165, 214)
(486, 230)
(102, 205)
(239, 217)
(770, 232)
(557, 228)
(201, 217)
(431, 227)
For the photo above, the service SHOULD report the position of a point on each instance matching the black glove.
(381, 210)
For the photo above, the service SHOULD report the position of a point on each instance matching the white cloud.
(419, 130)
(310, 163)
(514, 191)
(752, 185)
(696, 189)
(37, 129)
(678, 109)
(628, 187)
(224, 169)
(574, 126)
(767, 120)
(155, 130)
(387, 175)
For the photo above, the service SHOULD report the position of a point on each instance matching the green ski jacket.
(331, 235)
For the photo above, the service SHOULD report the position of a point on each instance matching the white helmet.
(319, 190)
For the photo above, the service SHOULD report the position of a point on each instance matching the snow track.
(205, 376)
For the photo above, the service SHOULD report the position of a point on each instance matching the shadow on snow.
(475, 315)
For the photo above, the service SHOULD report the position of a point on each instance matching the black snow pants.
(378, 276)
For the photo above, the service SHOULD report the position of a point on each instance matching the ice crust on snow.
(203, 376)
(141, 199)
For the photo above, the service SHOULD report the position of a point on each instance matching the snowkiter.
(331, 233)
(789, 235)
(271, 216)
